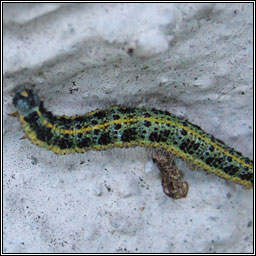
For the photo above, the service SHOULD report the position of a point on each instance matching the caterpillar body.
(120, 126)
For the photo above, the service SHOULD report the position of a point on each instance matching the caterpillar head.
(26, 101)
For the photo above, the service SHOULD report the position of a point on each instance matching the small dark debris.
(34, 160)
(130, 51)
(249, 224)
(108, 188)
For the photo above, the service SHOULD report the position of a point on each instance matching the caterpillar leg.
(23, 137)
(172, 184)
(14, 114)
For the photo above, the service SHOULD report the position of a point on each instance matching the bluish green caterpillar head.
(26, 101)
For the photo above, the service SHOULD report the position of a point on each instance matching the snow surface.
(194, 60)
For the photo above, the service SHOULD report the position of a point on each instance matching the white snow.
(194, 60)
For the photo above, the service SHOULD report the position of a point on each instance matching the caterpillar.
(120, 126)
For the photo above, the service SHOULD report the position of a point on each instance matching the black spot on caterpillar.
(121, 126)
